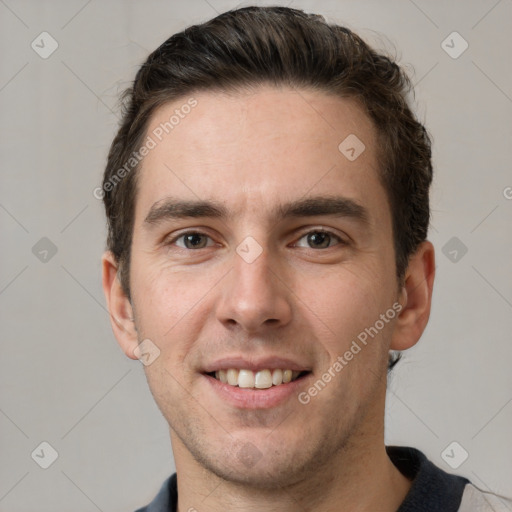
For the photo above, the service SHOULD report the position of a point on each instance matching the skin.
(252, 151)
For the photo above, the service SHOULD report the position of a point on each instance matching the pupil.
(193, 240)
(319, 239)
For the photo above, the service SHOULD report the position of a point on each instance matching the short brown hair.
(278, 46)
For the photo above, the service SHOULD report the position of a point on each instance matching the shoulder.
(431, 487)
(166, 499)
(476, 500)
(434, 489)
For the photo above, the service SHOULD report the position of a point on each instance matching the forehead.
(253, 150)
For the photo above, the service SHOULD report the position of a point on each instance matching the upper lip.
(255, 364)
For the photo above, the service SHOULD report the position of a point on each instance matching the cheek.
(346, 297)
(345, 308)
(162, 298)
(173, 306)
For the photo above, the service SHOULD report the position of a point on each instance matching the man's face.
(258, 289)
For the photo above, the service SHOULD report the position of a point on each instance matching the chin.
(273, 465)
(262, 475)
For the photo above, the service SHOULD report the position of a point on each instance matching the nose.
(255, 296)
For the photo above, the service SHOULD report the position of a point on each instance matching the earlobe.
(119, 306)
(416, 298)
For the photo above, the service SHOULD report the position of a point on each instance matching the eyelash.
(327, 232)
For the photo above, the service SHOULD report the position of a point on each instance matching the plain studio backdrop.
(64, 381)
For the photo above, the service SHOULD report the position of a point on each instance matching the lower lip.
(248, 398)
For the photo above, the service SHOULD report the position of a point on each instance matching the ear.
(415, 298)
(119, 306)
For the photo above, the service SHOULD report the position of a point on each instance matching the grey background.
(63, 378)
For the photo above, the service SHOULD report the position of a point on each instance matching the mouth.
(257, 380)
(256, 383)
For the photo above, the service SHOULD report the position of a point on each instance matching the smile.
(261, 379)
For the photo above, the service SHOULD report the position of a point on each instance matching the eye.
(316, 239)
(320, 239)
(191, 240)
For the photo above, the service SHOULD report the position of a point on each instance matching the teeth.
(232, 377)
(246, 379)
(262, 379)
(277, 377)
(222, 375)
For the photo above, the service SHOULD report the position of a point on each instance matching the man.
(267, 196)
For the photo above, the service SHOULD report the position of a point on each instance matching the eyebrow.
(170, 208)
